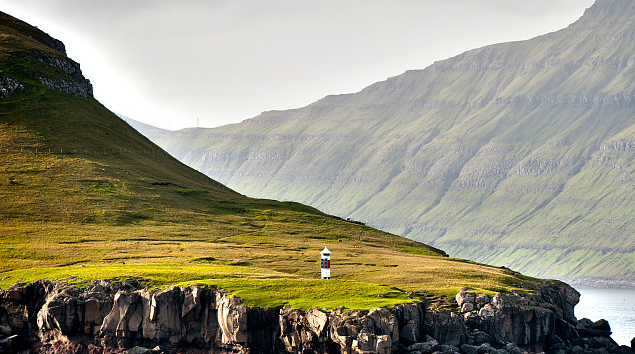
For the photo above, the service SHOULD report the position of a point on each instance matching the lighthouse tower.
(325, 263)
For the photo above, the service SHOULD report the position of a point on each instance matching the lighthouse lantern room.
(325, 263)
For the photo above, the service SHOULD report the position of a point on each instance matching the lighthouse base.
(326, 273)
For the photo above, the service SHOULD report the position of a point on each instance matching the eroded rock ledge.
(76, 84)
(50, 317)
(69, 79)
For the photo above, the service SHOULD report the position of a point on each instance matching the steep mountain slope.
(517, 154)
(84, 196)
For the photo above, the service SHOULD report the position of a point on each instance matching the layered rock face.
(75, 84)
(69, 78)
(45, 62)
(115, 317)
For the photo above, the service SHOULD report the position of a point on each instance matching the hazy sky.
(169, 63)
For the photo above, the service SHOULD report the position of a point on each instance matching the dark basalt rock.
(13, 344)
(600, 328)
(116, 317)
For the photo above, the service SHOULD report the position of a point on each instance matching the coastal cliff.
(51, 317)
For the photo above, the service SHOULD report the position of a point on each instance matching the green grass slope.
(84, 196)
(516, 154)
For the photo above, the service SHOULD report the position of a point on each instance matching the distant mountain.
(517, 154)
(138, 126)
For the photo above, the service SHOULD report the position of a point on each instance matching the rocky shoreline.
(105, 317)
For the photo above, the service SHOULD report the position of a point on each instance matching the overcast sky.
(169, 63)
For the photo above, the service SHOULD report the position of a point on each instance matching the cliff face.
(44, 62)
(74, 84)
(52, 317)
(515, 154)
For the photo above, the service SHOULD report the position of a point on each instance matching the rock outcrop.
(8, 85)
(116, 317)
(38, 58)
(74, 84)
(70, 80)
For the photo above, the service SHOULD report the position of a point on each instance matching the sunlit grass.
(181, 254)
(254, 286)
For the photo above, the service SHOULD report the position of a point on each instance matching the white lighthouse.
(325, 263)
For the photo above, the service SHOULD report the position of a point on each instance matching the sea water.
(614, 305)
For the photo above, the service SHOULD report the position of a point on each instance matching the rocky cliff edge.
(105, 317)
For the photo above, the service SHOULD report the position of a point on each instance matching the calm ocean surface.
(614, 305)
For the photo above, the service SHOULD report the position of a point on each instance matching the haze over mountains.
(517, 154)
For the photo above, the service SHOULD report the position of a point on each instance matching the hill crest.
(32, 56)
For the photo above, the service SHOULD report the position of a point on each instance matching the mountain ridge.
(494, 154)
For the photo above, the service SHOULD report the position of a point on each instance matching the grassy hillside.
(84, 196)
(516, 154)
